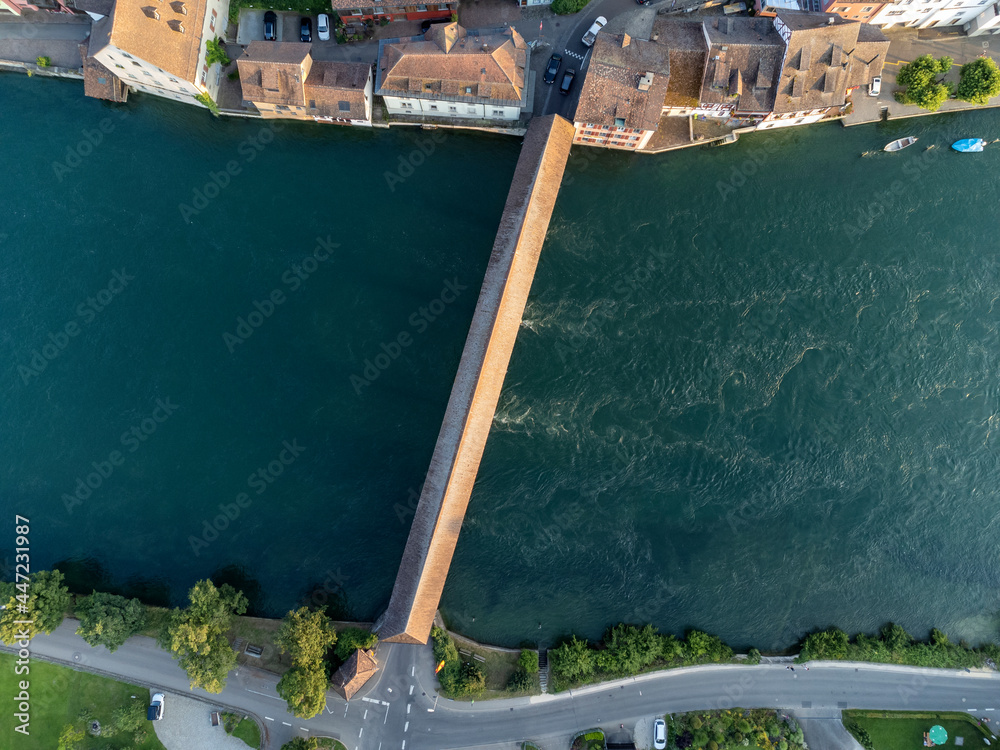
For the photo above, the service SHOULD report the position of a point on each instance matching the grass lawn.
(499, 666)
(58, 695)
(904, 730)
(242, 729)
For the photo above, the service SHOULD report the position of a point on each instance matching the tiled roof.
(868, 56)
(272, 72)
(354, 673)
(747, 46)
(165, 34)
(451, 63)
(101, 83)
(101, 7)
(611, 93)
(379, 6)
(816, 72)
(688, 55)
(331, 85)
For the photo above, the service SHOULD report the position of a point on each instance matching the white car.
(155, 711)
(659, 734)
(323, 27)
(876, 86)
(591, 35)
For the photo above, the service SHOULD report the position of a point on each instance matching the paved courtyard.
(187, 725)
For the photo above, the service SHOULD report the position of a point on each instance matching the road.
(400, 704)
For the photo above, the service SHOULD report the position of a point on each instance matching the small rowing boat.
(969, 145)
(900, 144)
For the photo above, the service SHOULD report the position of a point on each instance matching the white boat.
(900, 144)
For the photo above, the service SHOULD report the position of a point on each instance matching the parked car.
(876, 86)
(323, 27)
(306, 30)
(567, 81)
(155, 711)
(270, 25)
(591, 35)
(659, 734)
(553, 68)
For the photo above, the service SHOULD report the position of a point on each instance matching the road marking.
(365, 716)
(404, 744)
(408, 707)
(406, 727)
(266, 695)
(386, 715)
(411, 689)
(304, 730)
(989, 709)
(971, 710)
(286, 723)
(268, 718)
(361, 732)
(413, 670)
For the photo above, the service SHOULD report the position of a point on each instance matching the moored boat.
(901, 143)
(969, 145)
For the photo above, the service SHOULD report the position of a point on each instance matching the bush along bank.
(761, 728)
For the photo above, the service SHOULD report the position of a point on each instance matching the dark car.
(567, 81)
(643, 2)
(270, 24)
(155, 710)
(306, 31)
(553, 69)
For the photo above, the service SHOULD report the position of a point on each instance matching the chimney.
(830, 20)
(729, 25)
(646, 81)
(626, 40)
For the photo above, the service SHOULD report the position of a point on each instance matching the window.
(126, 55)
(896, 12)
(498, 113)
(344, 106)
(137, 64)
(434, 108)
(356, 12)
(119, 66)
(101, 80)
(867, 10)
(468, 89)
(453, 109)
(421, 8)
(472, 110)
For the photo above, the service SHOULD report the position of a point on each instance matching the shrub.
(43, 62)
(980, 81)
(573, 660)
(520, 682)
(209, 102)
(350, 639)
(528, 661)
(753, 656)
(216, 53)
(565, 7)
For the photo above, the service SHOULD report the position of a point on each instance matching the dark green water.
(752, 401)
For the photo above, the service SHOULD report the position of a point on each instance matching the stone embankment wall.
(469, 415)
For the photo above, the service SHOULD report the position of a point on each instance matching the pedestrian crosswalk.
(577, 55)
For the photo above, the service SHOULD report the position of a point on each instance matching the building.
(160, 48)
(745, 58)
(826, 56)
(375, 10)
(621, 100)
(688, 58)
(770, 8)
(926, 14)
(283, 81)
(354, 673)
(987, 22)
(853, 9)
(453, 73)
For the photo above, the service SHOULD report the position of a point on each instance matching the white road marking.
(971, 710)
(268, 718)
(304, 730)
(989, 709)
(365, 716)
(408, 707)
(413, 670)
(404, 744)
(286, 723)
(386, 715)
(411, 689)
(406, 727)
(266, 695)
(361, 732)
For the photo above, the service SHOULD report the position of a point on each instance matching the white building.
(159, 47)
(925, 14)
(450, 72)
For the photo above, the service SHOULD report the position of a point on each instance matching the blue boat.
(969, 145)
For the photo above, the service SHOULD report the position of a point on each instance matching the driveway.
(26, 41)
(187, 725)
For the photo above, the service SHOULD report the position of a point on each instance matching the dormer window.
(176, 26)
(151, 12)
(179, 8)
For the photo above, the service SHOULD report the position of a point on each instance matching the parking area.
(287, 29)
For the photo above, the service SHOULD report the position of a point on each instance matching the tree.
(350, 639)
(216, 53)
(753, 656)
(701, 646)
(979, 81)
(109, 620)
(573, 659)
(520, 682)
(205, 99)
(528, 661)
(304, 689)
(826, 644)
(70, 738)
(42, 599)
(939, 639)
(921, 84)
(895, 637)
(301, 743)
(307, 636)
(197, 634)
(628, 649)
(564, 7)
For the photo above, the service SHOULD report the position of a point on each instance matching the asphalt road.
(400, 705)
(76, 32)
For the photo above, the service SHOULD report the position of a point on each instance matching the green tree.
(304, 689)
(628, 649)
(42, 599)
(43, 62)
(301, 743)
(922, 87)
(306, 636)
(129, 718)
(109, 620)
(826, 644)
(979, 81)
(703, 647)
(528, 661)
(573, 660)
(473, 678)
(70, 738)
(350, 639)
(753, 656)
(564, 7)
(196, 635)
(216, 53)
(208, 101)
(520, 682)
(939, 639)
(895, 637)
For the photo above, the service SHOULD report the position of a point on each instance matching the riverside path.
(400, 704)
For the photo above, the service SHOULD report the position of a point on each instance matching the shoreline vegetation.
(305, 644)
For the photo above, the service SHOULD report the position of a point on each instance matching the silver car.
(659, 734)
